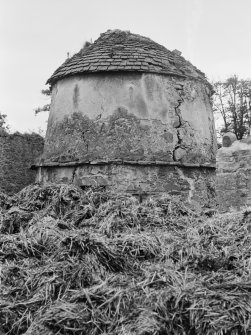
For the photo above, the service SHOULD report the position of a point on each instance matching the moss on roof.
(116, 51)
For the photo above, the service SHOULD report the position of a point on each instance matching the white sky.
(35, 36)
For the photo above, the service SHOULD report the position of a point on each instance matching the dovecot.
(128, 114)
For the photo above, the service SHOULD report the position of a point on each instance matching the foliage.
(92, 262)
(3, 124)
(47, 91)
(46, 107)
(232, 100)
(86, 45)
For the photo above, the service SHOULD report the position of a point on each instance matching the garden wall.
(233, 181)
(17, 154)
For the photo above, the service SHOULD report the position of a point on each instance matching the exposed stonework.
(17, 153)
(193, 184)
(233, 181)
(140, 128)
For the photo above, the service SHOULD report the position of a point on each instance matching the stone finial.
(228, 139)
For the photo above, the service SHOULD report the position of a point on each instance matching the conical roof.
(117, 51)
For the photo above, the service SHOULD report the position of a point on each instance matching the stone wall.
(17, 154)
(233, 180)
(194, 184)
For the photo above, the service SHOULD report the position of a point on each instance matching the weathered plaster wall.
(17, 154)
(140, 133)
(193, 184)
(233, 180)
(132, 117)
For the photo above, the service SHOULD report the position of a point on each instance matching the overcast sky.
(35, 36)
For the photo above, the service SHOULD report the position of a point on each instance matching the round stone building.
(128, 114)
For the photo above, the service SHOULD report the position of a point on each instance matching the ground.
(88, 261)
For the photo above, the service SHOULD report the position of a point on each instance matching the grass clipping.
(93, 262)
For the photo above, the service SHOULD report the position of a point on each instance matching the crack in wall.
(180, 123)
(85, 141)
(74, 173)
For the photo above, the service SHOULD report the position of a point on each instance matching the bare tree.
(232, 100)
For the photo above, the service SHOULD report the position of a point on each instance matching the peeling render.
(191, 183)
(142, 133)
(145, 120)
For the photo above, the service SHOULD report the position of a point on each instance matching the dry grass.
(93, 262)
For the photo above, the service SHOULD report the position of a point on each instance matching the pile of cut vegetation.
(79, 261)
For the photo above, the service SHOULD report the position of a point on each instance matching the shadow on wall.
(233, 179)
(17, 153)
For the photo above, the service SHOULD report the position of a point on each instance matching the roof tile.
(118, 50)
